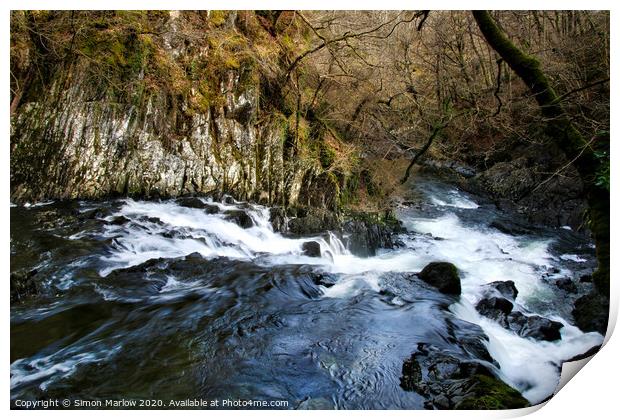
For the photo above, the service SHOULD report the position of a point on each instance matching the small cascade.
(224, 259)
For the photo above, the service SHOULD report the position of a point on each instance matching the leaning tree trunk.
(564, 132)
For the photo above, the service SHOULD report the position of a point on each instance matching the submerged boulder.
(442, 275)
(311, 249)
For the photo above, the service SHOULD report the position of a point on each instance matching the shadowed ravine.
(146, 299)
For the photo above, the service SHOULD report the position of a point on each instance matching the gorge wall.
(158, 104)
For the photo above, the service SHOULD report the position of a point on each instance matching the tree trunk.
(564, 132)
(436, 130)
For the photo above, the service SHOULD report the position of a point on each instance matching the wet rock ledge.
(450, 383)
(362, 233)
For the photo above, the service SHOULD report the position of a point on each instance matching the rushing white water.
(481, 253)
(211, 235)
(484, 255)
(39, 204)
(454, 199)
(572, 257)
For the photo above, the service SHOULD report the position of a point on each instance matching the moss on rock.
(488, 393)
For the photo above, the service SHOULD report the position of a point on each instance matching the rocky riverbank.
(532, 184)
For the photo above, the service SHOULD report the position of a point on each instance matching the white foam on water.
(351, 285)
(47, 370)
(482, 254)
(486, 255)
(39, 204)
(528, 365)
(210, 235)
(455, 199)
(572, 257)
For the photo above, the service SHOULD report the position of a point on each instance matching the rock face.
(96, 149)
(517, 185)
(168, 117)
(442, 275)
(450, 383)
(591, 313)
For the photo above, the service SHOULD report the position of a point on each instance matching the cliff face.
(141, 105)
(81, 148)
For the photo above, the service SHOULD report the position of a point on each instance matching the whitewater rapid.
(482, 254)
(139, 231)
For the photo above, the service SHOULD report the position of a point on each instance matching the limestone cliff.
(158, 104)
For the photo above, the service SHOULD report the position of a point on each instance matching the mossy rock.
(442, 275)
(489, 393)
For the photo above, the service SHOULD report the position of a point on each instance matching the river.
(152, 299)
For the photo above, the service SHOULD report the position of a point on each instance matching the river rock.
(567, 285)
(196, 203)
(312, 222)
(324, 279)
(450, 383)
(588, 353)
(534, 326)
(240, 218)
(510, 227)
(591, 313)
(496, 308)
(278, 219)
(365, 237)
(311, 249)
(119, 220)
(505, 288)
(442, 275)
